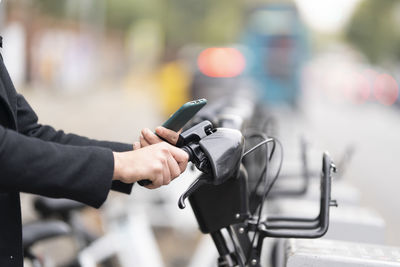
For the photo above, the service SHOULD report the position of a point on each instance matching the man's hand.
(147, 137)
(160, 163)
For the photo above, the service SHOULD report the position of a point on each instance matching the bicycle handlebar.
(214, 151)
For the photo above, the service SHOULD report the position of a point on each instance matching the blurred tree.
(205, 21)
(374, 30)
(122, 13)
(55, 8)
(183, 21)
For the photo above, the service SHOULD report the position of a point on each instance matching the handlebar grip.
(147, 182)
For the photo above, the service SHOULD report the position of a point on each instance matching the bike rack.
(291, 227)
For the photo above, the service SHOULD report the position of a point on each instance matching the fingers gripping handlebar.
(187, 141)
(214, 151)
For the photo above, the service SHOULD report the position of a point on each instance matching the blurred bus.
(277, 49)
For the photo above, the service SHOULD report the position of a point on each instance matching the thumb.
(167, 134)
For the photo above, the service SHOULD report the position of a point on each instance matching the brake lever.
(193, 187)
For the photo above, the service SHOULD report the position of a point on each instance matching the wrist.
(117, 166)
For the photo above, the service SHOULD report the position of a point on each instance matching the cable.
(257, 146)
(263, 174)
(254, 133)
(257, 160)
(267, 187)
(251, 134)
(268, 157)
(277, 172)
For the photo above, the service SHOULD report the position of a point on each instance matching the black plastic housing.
(219, 206)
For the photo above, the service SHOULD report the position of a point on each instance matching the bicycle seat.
(38, 231)
(60, 207)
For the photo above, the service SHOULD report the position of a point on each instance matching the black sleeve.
(28, 125)
(31, 165)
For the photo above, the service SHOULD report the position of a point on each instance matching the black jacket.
(38, 159)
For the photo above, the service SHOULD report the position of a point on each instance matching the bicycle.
(220, 198)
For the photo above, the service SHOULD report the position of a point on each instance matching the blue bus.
(277, 50)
